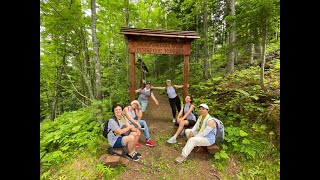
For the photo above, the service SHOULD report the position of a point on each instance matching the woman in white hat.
(203, 133)
(133, 111)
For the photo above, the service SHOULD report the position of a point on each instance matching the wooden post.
(132, 75)
(141, 76)
(186, 76)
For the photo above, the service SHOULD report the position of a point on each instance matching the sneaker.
(150, 143)
(173, 120)
(138, 144)
(138, 155)
(182, 132)
(180, 159)
(134, 157)
(172, 140)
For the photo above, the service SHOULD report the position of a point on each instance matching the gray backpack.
(220, 130)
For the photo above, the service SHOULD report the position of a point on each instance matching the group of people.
(126, 132)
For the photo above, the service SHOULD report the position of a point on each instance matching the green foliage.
(106, 172)
(67, 135)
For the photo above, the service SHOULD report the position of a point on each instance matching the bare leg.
(180, 128)
(136, 139)
(130, 142)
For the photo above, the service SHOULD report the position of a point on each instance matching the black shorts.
(191, 123)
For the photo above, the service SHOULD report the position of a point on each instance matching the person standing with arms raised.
(145, 93)
(174, 99)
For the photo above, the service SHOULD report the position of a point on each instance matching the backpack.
(220, 130)
(105, 129)
(193, 111)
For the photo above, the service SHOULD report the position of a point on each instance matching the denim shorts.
(118, 143)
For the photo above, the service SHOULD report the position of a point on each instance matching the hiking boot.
(180, 159)
(172, 140)
(133, 156)
(150, 143)
(138, 155)
(138, 144)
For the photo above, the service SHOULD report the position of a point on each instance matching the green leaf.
(263, 127)
(271, 133)
(245, 141)
(243, 92)
(76, 128)
(255, 97)
(242, 133)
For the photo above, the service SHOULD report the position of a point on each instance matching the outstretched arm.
(180, 86)
(138, 90)
(154, 98)
(159, 88)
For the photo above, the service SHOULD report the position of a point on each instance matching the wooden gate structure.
(158, 41)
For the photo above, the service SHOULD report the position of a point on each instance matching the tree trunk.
(230, 66)
(126, 2)
(96, 50)
(86, 71)
(251, 51)
(147, 19)
(263, 56)
(205, 46)
(213, 42)
(58, 89)
(197, 44)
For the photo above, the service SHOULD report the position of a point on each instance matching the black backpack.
(106, 130)
(193, 111)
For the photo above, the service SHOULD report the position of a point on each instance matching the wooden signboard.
(157, 41)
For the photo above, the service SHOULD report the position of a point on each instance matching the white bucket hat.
(134, 102)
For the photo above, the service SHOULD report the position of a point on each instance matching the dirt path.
(162, 155)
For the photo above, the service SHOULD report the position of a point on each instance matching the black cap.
(148, 82)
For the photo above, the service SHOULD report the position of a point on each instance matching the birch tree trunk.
(126, 2)
(205, 46)
(213, 40)
(197, 44)
(232, 34)
(86, 71)
(263, 56)
(96, 50)
(96, 59)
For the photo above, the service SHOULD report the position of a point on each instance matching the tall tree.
(232, 35)
(205, 36)
(98, 94)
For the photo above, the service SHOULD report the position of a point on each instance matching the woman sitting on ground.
(116, 137)
(133, 111)
(185, 118)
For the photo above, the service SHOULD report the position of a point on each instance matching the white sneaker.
(173, 120)
(172, 140)
(180, 159)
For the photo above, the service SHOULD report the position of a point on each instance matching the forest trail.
(162, 155)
